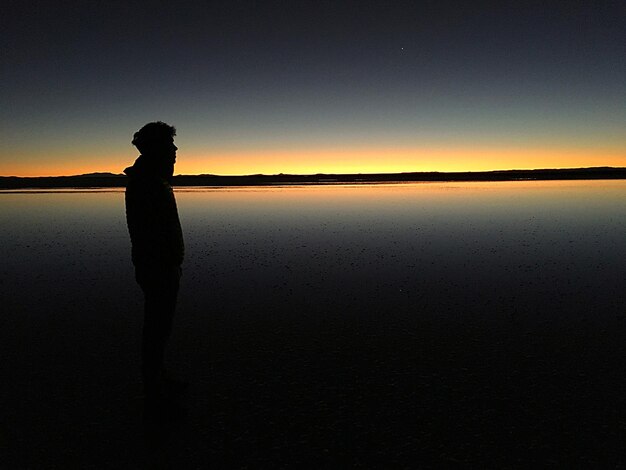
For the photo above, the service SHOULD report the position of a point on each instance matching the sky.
(313, 87)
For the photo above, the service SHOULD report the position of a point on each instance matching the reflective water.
(325, 322)
(506, 246)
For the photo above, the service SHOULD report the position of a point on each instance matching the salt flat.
(326, 326)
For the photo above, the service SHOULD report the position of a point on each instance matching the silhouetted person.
(157, 249)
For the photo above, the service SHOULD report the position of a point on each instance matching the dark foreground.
(286, 380)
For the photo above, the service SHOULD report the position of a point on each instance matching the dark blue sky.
(283, 86)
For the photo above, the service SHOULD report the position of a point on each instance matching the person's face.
(169, 157)
(163, 153)
(168, 151)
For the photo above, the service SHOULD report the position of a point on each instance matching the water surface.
(342, 325)
(509, 243)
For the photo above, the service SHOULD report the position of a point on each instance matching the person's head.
(155, 140)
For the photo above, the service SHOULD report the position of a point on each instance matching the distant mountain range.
(111, 180)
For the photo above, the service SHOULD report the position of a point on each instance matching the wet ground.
(325, 336)
(332, 387)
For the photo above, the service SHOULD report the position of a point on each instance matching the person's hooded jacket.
(152, 217)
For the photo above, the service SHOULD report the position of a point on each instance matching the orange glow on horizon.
(338, 160)
(395, 160)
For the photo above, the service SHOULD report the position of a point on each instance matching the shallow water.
(342, 325)
(512, 245)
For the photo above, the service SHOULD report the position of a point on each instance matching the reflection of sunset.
(388, 196)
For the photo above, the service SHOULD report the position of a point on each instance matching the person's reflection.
(157, 253)
(161, 448)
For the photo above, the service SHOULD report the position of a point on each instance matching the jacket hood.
(143, 167)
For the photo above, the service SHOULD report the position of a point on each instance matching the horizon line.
(110, 174)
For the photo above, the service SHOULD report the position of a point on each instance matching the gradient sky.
(308, 87)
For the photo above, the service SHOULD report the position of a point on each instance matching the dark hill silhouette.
(111, 180)
(104, 174)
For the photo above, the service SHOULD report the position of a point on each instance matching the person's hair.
(153, 134)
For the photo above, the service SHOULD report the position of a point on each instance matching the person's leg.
(160, 289)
